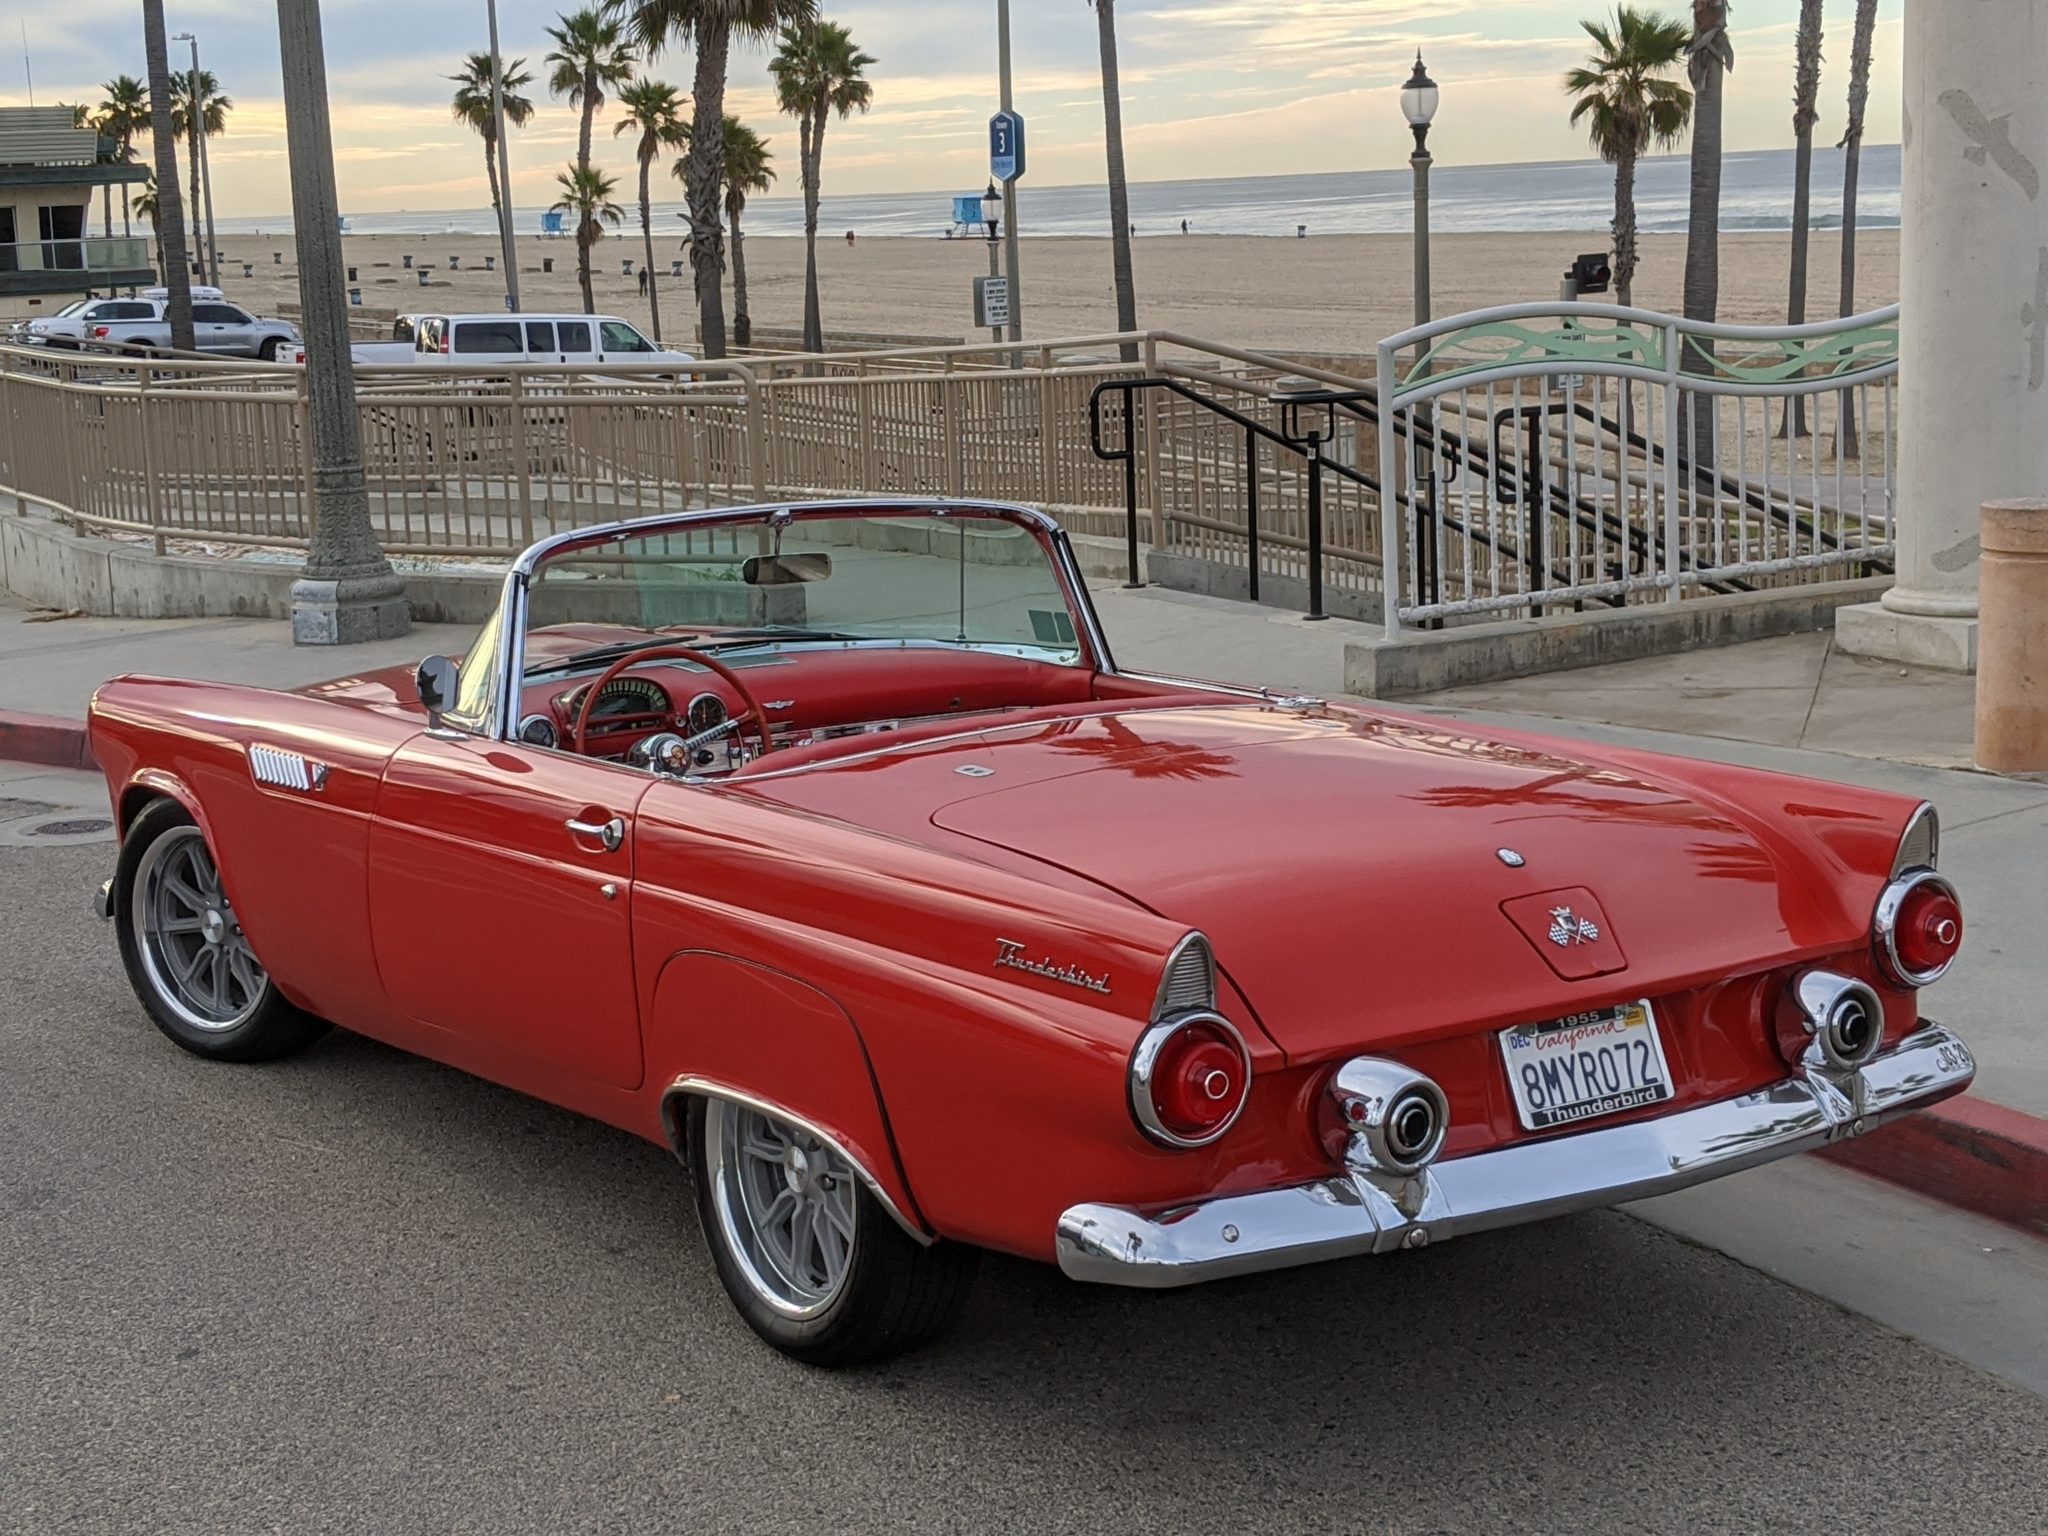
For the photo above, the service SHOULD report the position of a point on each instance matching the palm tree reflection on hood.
(1111, 740)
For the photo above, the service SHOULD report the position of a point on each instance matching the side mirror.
(437, 680)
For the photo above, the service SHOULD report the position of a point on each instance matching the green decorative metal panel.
(1512, 344)
(1842, 354)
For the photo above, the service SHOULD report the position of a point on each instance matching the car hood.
(1366, 877)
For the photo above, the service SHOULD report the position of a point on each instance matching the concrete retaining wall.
(1212, 578)
(1489, 653)
(43, 562)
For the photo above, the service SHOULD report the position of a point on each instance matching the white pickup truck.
(472, 340)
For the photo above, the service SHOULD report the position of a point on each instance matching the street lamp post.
(209, 257)
(347, 591)
(992, 216)
(1009, 187)
(1418, 105)
(505, 240)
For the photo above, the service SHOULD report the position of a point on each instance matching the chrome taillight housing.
(1918, 925)
(1189, 1078)
(1918, 928)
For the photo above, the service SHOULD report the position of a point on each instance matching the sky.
(1210, 88)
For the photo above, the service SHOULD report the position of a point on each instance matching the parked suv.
(143, 323)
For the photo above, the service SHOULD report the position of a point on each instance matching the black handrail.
(1309, 445)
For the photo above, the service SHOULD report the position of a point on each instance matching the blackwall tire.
(187, 959)
(862, 1292)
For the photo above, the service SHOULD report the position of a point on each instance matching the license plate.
(1566, 1071)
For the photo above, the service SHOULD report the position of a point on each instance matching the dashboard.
(811, 697)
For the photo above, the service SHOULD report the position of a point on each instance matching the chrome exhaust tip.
(1844, 1016)
(1397, 1118)
(103, 901)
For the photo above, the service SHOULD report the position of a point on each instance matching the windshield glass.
(911, 575)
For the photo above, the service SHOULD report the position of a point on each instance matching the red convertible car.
(827, 845)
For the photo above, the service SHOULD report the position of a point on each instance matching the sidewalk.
(1790, 704)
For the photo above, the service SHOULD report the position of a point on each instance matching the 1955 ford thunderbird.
(827, 845)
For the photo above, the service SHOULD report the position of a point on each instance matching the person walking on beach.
(1183, 226)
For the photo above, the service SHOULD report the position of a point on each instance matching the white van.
(471, 340)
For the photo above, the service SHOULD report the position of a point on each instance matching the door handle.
(610, 835)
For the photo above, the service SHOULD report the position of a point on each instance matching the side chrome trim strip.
(1356, 1212)
(710, 1088)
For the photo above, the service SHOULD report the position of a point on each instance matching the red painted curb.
(49, 740)
(1965, 1152)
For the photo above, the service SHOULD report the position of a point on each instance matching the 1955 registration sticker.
(1565, 1071)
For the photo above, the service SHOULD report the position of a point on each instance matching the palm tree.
(747, 167)
(472, 106)
(1847, 439)
(709, 26)
(124, 114)
(818, 72)
(1119, 187)
(203, 92)
(587, 193)
(144, 207)
(1852, 142)
(589, 57)
(1710, 57)
(654, 110)
(169, 215)
(1629, 106)
(1805, 113)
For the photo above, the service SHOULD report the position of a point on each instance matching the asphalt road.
(356, 1292)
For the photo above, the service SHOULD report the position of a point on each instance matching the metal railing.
(1561, 454)
(1529, 460)
(87, 254)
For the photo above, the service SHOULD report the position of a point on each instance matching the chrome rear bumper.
(1357, 1212)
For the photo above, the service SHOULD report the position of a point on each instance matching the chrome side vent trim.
(286, 770)
(1920, 848)
(1190, 979)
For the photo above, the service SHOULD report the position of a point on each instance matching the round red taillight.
(1919, 928)
(1189, 1078)
(1930, 928)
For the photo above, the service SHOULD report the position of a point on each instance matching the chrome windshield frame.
(510, 661)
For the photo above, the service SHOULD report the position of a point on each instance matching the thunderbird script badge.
(1010, 955)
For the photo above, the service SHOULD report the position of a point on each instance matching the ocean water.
(1756, 194)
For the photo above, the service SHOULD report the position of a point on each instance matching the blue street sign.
(1006, 146)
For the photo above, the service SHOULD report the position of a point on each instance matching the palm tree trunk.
(811, 153)
(1703, 221)
(1625, 227)
(1119, 187)
(1848, 441)
(647, 236)
(170, 212)
(127, 154)
(107, 210)
(589, 117)
(707, 144)
(198, 234)
(742, 322)
(491, 169)
(1805, 112)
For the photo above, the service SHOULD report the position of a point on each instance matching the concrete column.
(1973, 293)
(2012, 676)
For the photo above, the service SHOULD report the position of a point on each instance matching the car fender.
(155, 782)
(732, 1028)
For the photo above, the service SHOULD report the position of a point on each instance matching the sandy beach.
(1329, 294)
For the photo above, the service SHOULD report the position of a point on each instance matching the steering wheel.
(752, 714)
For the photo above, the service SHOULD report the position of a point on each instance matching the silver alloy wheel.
(787, 1202)
(190, 941)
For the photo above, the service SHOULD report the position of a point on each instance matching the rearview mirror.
(436, 680)
(785, 570)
